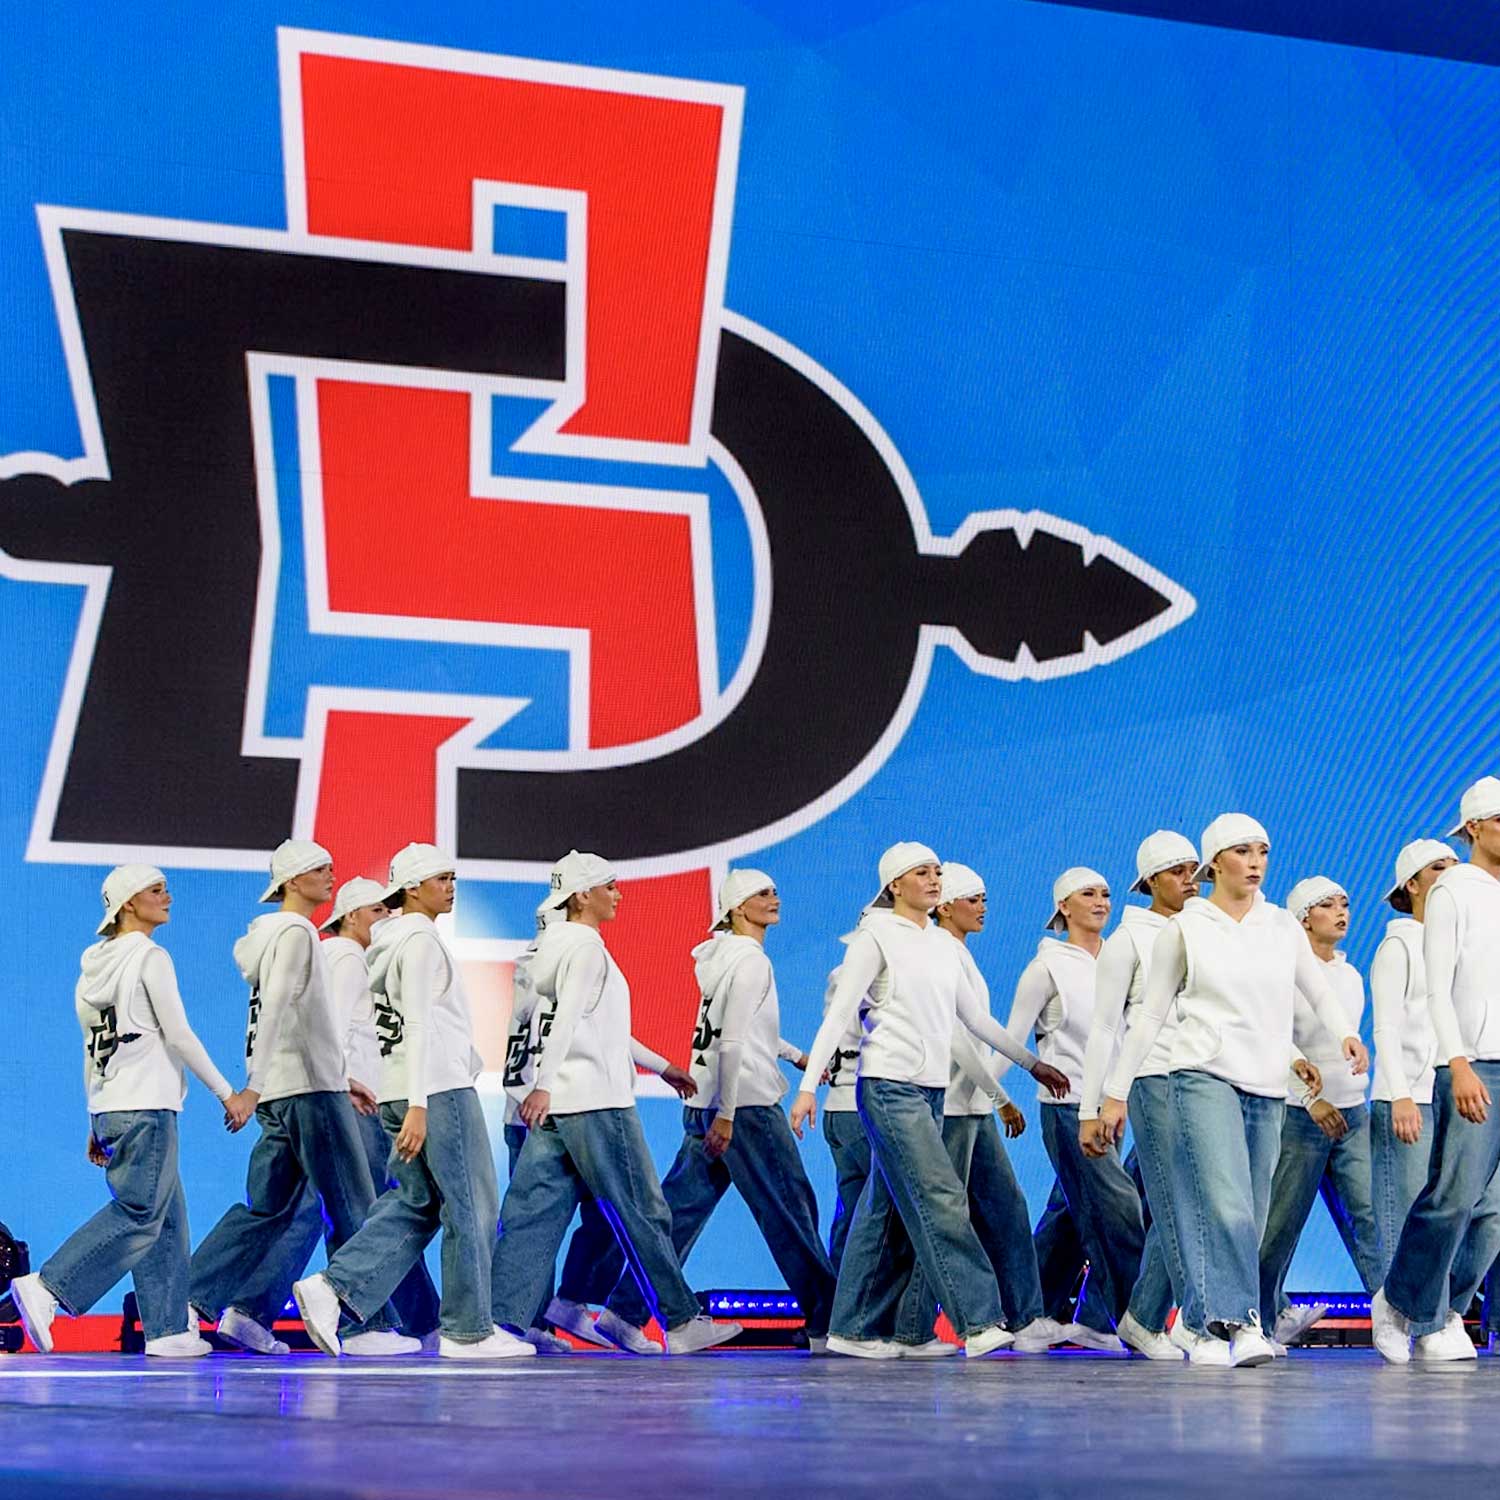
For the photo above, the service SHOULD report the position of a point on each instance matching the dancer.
(1055, 999)
(736, 1134)
(1429, 1281)
(1405, 1045)
(1325, 1138)
(1230, 965)
(309, 1133)
(583, 1131)
(1166, 864)
(444, 1171)
(909, 980)
(997, 1206)
(136, 1043)
(593, 1263)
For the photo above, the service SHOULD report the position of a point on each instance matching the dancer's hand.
(1470, 1097)
(535, 1108)
(716, 1142)
(238, 1108)
(1312, 1079)
(413, 1133)
(363, 1098)
(1112, 1114)
(801, 1063)
(1050, 1079)
(1359, 1059)
(1328, 1119)
(1013, 1120)
(1092, 1138)
(804, 1107)
(680, 1079)
(98, 1156)
(1406, 1121)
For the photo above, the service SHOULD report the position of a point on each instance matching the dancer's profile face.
(1087, 910)
(1484, 834)
(763, 909)
(600, 902)
(1171, 888)
(314, 885)
(436, 893)
(967, 913)
(1241, 869)
(360, 922)
(150, 907)
(1328, 921)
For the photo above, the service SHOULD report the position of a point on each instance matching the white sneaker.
(383, 1343)
(1040, 1335)
(618, 1334)
(501, 1344)
(989, 1340)
(864, 1348)
(1201, 1348)
(700, 1334)
(243, 1331)
(1144, 1341)
(1250, 1347)
(319, 1305)
(576, 1319)
(37, 1307)
(1450, 1343)
(1090, 1338)
(187, 1345)
(1293, 1322)
(1389, 1331)
(544, 1341)
(933, 1349)
(1278, 1349)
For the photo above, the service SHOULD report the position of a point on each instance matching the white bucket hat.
(900, 858)
(739, 886)
(1311, 892)
(1482, 800)
(1227, 830)
(123, 882)
(352, 895)
(411, 866)
(292, 858)
(1161, 851)
(1415, 858)
(960, 882)
(576, 872)
(1069, 883)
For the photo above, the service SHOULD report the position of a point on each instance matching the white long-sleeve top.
(972, 1085)
(737, 1048)
(349, 982)
(422, 1013)
(1405, 1043)
(1119, 987)
(1341, 1088)
(294, 1042)
(1055, 999)
(1461, 949)
(843, 1066)
(910, 986)
(1234, 986)
(136, 1036)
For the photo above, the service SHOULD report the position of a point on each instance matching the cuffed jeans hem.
(57, 1296)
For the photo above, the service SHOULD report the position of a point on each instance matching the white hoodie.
(421, 1012)
(1233, 984)
(1341, 1088)
(581, 1023)
(843, 1066)
(1055, 998)
(1119, 987)
(911, 986)
(1405, 1043)
(972, 1089)
(294, 1043)
(737, 1047)
(1461, 946)
(136, 1036)
(349, 982)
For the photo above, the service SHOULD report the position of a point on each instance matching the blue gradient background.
(1228, 299)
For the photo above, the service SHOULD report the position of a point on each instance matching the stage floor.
(737, 1425)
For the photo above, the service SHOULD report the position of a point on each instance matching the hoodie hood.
(553, 944)
(714, 959)
(105, 964)
(251, 949)
(386, 940)
(1260, 909)
(875, 918)
(1142, 916)
(1053, 948)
